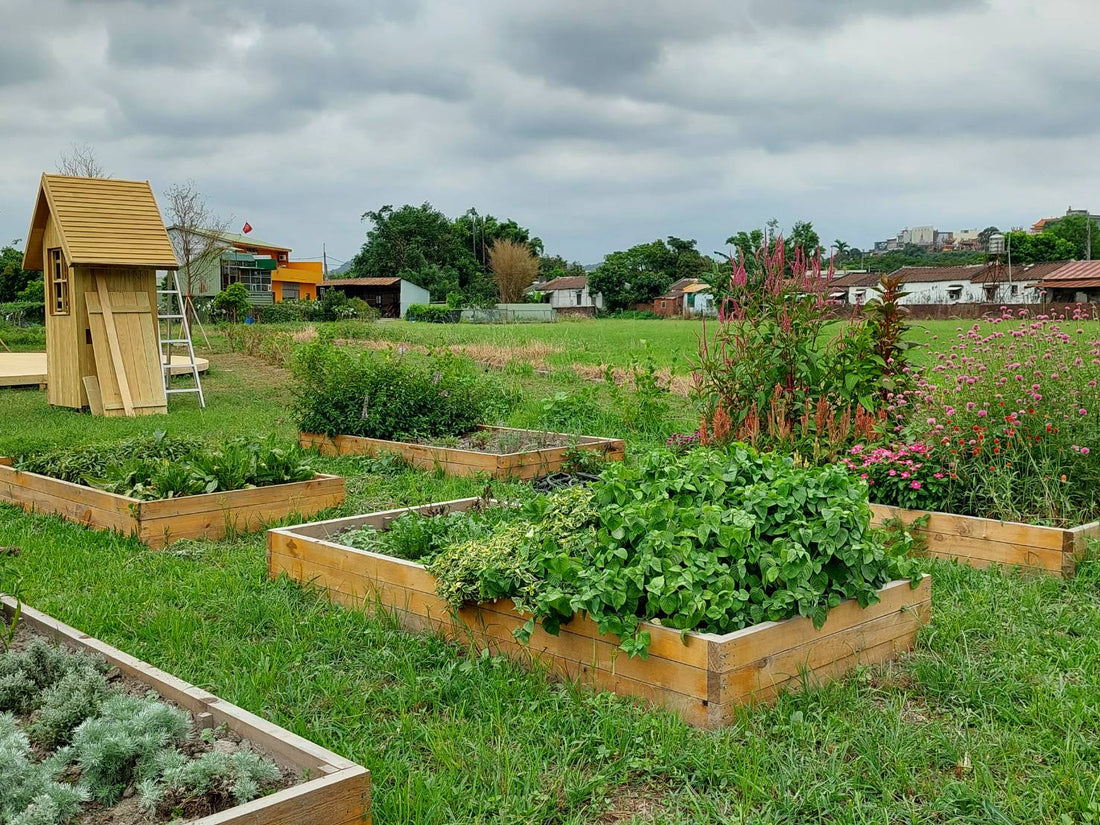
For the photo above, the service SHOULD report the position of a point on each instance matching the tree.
(842, 249)
(688, 261)
(1075, 229)
(803, 237)
(555, 266)
(1046, 246)
(634, 276)
(80, 161)
(13, 278)
(514, 266)
(401, 242)
(196, 236)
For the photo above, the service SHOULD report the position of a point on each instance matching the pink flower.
(982, 413)
(1084, 451)
(915, 485)
(1082, 411)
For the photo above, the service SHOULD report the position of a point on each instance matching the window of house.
(955, 292)
(990, 292)
(290, 292)
(578, 296)
(59, 283)
(1014, 290)
(861, 294)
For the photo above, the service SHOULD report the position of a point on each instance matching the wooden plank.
(778, 669)
(95, 400)
(1010, 532)
(742, 647)
(494, 626)
(339, 799)
(114, 346)
(320, 485)
(462, 462)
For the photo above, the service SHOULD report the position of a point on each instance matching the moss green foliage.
(163, 467)
(125, 739)
(223, 778)
(391, 397)
(30, 793)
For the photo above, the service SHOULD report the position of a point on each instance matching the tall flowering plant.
(1012, 412)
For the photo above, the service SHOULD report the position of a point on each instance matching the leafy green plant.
(387, 396)
(233, 302)
(433, 314)
(219, 779)
(707, 540)
(30, 793)
(167, 468)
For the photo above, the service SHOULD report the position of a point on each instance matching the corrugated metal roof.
(921, 275)
(570, 282)
(998, 272)
(1078, 272)
(361, 282)
(1080, 283)
(101, 221)
(692, 288)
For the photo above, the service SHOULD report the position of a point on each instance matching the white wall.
(703, 304)
(565, 298)
(939, 292)
(412, 294)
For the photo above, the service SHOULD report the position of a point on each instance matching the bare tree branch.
(195, 230)
(80, 162)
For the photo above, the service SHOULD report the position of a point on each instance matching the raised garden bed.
(702, 677)
(160, 522)
(981, 542)
(523, 465)
(333, 790)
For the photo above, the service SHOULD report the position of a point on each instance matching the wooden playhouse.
(99, 243)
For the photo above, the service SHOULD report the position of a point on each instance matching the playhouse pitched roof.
(100, 221)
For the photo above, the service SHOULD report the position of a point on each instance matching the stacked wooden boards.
(981, 542)
(336, 791)
(129, 376)
(158, 523)
(521, 466)
(702, 677)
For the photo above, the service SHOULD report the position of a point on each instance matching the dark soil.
(495, 442)
(128, 810)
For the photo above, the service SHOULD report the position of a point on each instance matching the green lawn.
(994, 718)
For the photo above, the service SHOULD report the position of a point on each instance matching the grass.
(994, 718)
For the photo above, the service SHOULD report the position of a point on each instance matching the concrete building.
(264, 268)
(698, 301)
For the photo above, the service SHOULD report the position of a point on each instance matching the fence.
(511, 314)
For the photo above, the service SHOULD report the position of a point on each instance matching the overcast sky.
(599, 124)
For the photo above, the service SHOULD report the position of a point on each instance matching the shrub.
(433, 314)
(382, 395)
(22, 313)
(233, 302)
(284, 312)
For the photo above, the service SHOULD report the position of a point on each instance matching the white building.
(569, 293)
(980, 283)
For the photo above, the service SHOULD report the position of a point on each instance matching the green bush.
(433, 314)
(382, 395)
(233, 302)
(160, 467)
(284, 312)
(21, 313)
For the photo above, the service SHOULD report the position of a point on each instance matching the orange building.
(265, 269)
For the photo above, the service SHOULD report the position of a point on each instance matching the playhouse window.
(59, 283)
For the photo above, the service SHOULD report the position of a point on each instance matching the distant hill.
(343, 269)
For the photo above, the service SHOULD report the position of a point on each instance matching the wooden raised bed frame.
(337, 791)
(981, 542)
(522, 466)
(702, 677)
(158, 523)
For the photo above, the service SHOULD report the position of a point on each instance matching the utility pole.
(1008, 243)
(1088, 236)
(324, 256)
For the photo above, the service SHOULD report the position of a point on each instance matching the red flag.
(247, 227)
